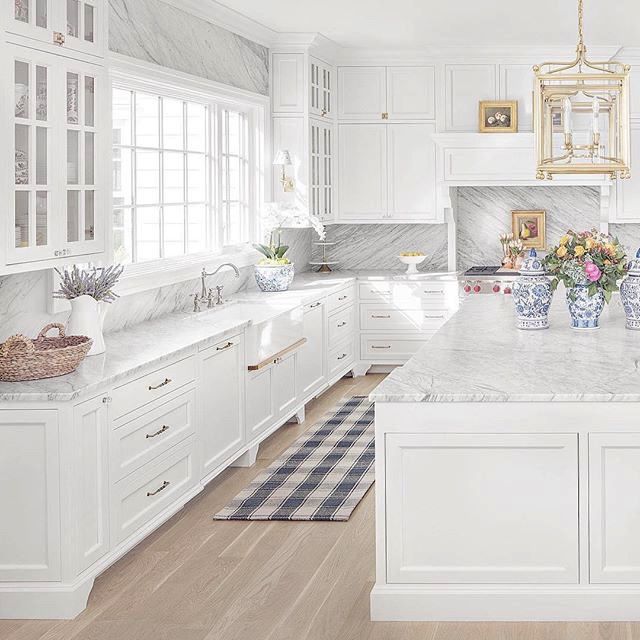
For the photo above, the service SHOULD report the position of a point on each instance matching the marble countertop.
(480, 356)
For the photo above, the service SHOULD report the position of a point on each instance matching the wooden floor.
(196, 578)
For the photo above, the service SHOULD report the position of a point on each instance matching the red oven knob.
(507, 290)
(476, 288)
(467, 287)
(496, 288)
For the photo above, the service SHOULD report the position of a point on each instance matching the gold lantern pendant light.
(581, 115)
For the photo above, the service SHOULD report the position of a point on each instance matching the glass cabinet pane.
(42, 220)
(73, 156)
(72, 98)
(89, 158)
(73, 18)
(89, 101)
(41, 155)
(21, 88)
(41, 13)
(73, 215)
(88, 22)
(21, 219)
(21, 10)
(22, 154)
(89, 215)
(42, 94)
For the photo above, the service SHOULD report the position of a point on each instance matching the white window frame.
(135, 75)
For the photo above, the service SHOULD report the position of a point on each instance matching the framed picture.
(498, 117)
(529, 226)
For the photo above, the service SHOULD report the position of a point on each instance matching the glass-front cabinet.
(56, 182)
(76, 25)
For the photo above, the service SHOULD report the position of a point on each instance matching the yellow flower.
(564, 240)
(561, 252)
(610, 248)
(579, 250)
(590, 243)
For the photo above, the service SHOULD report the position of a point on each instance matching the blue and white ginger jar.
(271, 278)
(532, 294)
(585, 310)
(630, 294)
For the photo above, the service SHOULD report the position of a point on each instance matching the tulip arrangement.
(589, 257)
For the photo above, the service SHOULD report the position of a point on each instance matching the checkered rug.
(322, 476)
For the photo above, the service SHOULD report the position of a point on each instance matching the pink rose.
(593, 272)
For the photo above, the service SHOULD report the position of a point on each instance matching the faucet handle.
(196, 302)
(219, 298)
(210, 298)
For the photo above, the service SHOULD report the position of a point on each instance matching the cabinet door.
(311, 357)
(411, 93)
(221, 424)
(91, 493)
(30, 499)
(628, 201)
(321, 162)
(288, 83)
(465, 86)
(36, 93)
(284, 384)
(31, 18)
(516, 83)
(482, 508)
(614, 507)
(321, 78)
(362, 181)
(412, 172)
(260, 406)
(85, 91)
(362, 93)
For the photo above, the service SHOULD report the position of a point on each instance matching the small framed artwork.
(498, 117)
(529, 226)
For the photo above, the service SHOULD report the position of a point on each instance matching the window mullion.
(134, 181)
(161, 180)
(185, 182)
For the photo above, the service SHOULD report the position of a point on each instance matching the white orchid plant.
(284, 215)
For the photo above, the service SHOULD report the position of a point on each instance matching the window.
(186, 173)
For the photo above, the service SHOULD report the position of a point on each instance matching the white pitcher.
(87, 319)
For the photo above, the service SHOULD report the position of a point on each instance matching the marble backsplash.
(154, 31)
(484, 213)
(24, 297)
(377, 246)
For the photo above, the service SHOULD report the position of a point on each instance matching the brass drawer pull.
(157, 433)
(225, 346)
(375, 346)
(342, 357)
(342, 324)
(162, 487)
(162, 384)
(381, 317)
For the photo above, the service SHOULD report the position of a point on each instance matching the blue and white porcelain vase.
(277, 277)
(585, 310)
(630, 294)
(532, 294)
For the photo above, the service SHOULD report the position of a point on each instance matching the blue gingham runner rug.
(322, 476)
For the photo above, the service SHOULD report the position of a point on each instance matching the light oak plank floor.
(199, 579)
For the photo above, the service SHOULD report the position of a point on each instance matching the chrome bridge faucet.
(208, 294)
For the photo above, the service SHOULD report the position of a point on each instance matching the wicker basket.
(24, 359)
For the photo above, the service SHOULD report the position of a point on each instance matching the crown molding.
(228, 19)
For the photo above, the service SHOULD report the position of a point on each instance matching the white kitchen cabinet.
(614, 507)
(411, 93)
(287, 79)
(362, 183)
(362, 93)
(465, 86)
(516, 83)
(72, 25)
(411, 157)
(321, 93)
(89, 478)
(321, 170)
(260, 403)
(57, 180)
(482, 529)
(628, 191)
(312, 374)
(285, 385)
(221, 428)
(30, 498)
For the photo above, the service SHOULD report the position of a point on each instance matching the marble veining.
(156, 32)
(377, 246)
(483, 213)
(629, 236)
(480, 356)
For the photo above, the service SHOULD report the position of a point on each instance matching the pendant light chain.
(580, 23)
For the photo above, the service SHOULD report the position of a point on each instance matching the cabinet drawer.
(341, 299)
(443, 294)
(151, 386)
(144, 494)
(341, 325)
(381, 348)
(388, 318)
(145, 438)
(340, 358)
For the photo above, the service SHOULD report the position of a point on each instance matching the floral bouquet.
(589, 258)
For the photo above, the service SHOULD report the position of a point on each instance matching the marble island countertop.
(480, 356)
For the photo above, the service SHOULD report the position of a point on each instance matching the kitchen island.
(508, 472)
